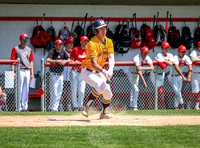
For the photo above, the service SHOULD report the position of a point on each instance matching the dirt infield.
(93, 120)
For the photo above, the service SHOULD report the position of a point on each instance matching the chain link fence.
(9, 85)
(123, 90)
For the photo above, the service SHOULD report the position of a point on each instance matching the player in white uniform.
(177, 76)
(68, 48)
(76, 82)
(136, 72)
(57, 56)
(195, 56)
(164, 59)
(2, 99)
(25, 54)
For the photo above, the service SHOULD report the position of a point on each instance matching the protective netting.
(122, 87)
(8, 83)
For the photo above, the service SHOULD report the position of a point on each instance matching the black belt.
(92, 70)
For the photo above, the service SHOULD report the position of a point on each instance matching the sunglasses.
(25, 39)
(145, 53)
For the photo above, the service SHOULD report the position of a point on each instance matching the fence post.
(156, 91)
(42, 79)
(18, 86)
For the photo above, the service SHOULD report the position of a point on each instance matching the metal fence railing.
(122, 89)
(10, 84)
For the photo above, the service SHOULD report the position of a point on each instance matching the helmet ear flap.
(95, 31)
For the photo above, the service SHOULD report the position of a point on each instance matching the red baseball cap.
(182, 48)
(144, 49)
(23, 35)
(199, 44)
(58, 41)
(69, 40)
(165, 45)
(83, 38)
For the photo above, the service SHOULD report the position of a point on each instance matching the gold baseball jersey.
(95, 48)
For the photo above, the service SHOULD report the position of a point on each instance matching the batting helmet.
(165, 45)
(69, 40)
(181, 48)
(23, 35)
(98, 24)
(144, 49)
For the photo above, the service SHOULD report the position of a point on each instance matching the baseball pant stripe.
(94, 94)
(106, 101)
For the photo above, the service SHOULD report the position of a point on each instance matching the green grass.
(107, 137)
(139, 112)
(102, 136)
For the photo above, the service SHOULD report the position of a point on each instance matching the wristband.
(190, 70)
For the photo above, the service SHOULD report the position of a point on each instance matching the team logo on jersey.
(81, 56)
(24, 53)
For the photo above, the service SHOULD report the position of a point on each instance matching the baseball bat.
(166, 28)
(42, 19)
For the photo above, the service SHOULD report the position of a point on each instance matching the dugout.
(20, 16)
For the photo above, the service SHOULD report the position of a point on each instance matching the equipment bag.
(39, 37)
(122, 39)
(79, 30)
(173, 36)
(186, 38)
(90, 33)
(64, 33)
(197, 35)
(134, 34)
(159, 32)
(50, 43)
(147, 36)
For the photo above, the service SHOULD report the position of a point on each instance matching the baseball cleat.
(135, 108)
(106, 116)
(85, 111)
(197, 107)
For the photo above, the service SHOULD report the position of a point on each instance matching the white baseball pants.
(195, 80)
(134, 80)
(97, 81)
(157, 80)
(24, 88)
(176, 83)
(56, 87)
(77, 86)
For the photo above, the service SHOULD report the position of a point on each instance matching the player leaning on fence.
(3, 97)
(164, 59)
(99, 49)
(24, 53)
(177, 76)
(195, 56)
(60, 57)
(136, 72)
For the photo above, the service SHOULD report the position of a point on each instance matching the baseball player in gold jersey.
(99, 49)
